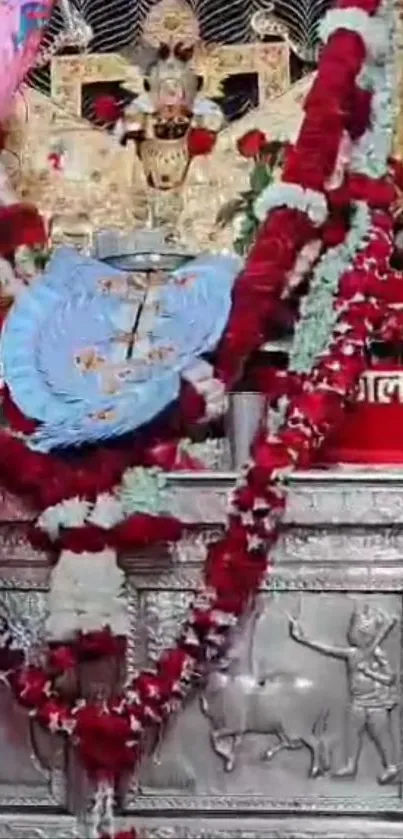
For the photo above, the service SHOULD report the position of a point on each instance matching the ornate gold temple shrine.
(102, 184)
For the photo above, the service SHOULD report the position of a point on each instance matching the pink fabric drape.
(21, 27)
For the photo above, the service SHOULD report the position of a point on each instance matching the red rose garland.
(330, 108)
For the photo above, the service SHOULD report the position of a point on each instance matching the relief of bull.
(283, 705)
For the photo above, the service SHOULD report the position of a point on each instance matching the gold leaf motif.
(170, 22)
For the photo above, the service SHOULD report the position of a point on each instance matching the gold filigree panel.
(269, 62)
(98, 179)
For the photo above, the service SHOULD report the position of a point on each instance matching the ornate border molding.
(203, 804)
(31, 826)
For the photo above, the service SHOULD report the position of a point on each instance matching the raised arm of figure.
(297, 634)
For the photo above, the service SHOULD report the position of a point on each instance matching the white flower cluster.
(87, 593)
(110, 508)
(294, 197)
(371, 29)
(370, 153)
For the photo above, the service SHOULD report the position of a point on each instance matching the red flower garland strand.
(330, 109)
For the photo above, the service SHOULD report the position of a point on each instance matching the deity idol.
(161, 119)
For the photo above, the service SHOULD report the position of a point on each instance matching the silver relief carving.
(13, 509)
(241, 699)
(35, 827)
(268, 730)
(372, 688)
(194, 504)
(15, 545)
(164, 612)
(24, 613)
(288, 828)
(192, 548)
(52, 827)
(344, 544)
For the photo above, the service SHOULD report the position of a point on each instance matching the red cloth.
(370, 433)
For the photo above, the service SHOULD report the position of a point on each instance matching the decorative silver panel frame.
(341, 546)
(340, 552)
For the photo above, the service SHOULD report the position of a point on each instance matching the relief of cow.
(282, 704)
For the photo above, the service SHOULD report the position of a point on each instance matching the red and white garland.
(88, 526)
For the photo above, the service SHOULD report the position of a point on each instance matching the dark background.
(118, 23)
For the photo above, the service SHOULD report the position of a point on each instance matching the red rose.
(233, 574)
(20, 224)
(365, 312)
(368, 6)
(93, 645)
(298, 440)
(102, 739)
(360, 112)
(51, 713)
(259, 285)
(358, 282)
(107, 109)
(271, 457)
(252, 143)
(173, 667)
(334, 232)
(61, 659)
(31, 686)
(377, 192)
(341, 381)
(200, 141)
(143, 529)
(392, 327)
(396, 171)
(192, 403)
(335, 362)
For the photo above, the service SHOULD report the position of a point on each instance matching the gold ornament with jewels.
(84, 180)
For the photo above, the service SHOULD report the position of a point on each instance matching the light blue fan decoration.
(93, 353)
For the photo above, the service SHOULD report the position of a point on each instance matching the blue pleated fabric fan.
(92, 353)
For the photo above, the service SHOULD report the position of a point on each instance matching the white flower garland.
(110, 508)
(70, 513)
(294, 197)
(370, 153)
(371, 29)
(318, 315)
(87, 593)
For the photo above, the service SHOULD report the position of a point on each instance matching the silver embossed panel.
(304, 712)
(26, 755)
